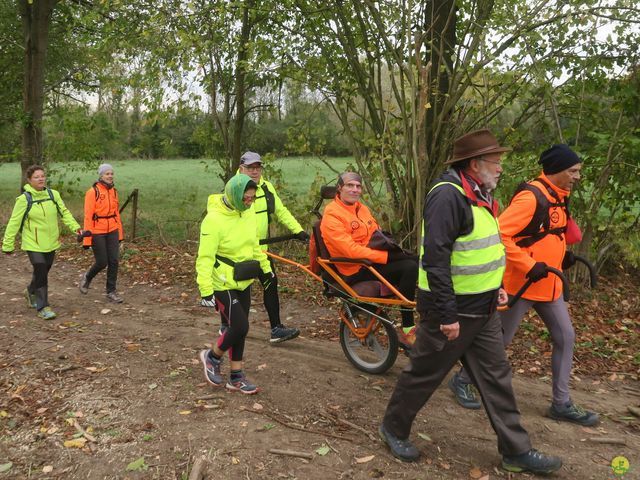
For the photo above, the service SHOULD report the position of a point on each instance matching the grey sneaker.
(464, 393)
(114, 297)
(402, 449)
(532, 461)
(212, 368)
(47, 314)
(571, 412)
(282, 334)
(31, 298)
(242, 385)
(83, 285)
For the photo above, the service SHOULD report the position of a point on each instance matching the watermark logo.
(620, 465)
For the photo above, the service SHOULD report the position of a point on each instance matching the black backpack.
(539, 226)
(31, 201)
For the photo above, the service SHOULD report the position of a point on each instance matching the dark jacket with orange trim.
(550, 249)
(102, 211)
(346, 231)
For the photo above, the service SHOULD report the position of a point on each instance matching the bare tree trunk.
(241, 87)
(36, 18)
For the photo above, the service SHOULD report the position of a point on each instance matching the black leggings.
(233, 306)
(106, 251)
(402, 274)
(270, 297)
(39, 286)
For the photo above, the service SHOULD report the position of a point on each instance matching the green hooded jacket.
(40, 232)
(229, 230)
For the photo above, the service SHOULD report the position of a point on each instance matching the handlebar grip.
(593, 277)
(565, 287)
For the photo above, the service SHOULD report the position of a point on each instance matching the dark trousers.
(233, 306)
(106, 251)
(270, 297)
(402, 274)
(39, 286)
(481, 350)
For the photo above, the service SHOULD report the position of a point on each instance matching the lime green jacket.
(40, 232)
(276, 210)
(232, 234)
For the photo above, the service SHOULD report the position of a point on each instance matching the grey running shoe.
(571, 412)
(47, 314)
(532, 461)
(114, 297)
(83, 285)
(282, 334)
(464, 393)
(242, 385)
(402, 449)
(31, 298)
(212, 368)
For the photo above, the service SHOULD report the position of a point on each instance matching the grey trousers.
(480, 348)
(556, 317)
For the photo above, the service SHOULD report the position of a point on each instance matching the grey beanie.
(102, 169)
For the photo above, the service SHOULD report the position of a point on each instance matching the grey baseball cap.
(249, 158)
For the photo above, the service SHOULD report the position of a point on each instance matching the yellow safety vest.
(477, 259)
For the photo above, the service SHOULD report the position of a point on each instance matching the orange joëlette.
(101, 212)
(346, 230)
(550, 249)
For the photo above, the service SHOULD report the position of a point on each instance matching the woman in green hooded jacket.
(229, 258)
(35, 218)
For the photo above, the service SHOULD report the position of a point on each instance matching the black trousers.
(481, 349)
(233, 306)
(270, 297)
(402, 274)
(106, 251)
(39, 286)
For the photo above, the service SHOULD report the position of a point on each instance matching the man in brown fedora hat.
(462, 261)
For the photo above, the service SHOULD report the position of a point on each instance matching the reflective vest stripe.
(477, 244)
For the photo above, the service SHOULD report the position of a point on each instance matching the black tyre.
(378, 351)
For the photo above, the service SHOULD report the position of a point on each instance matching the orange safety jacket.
(101, 211)
(550, 249)
(346, 231)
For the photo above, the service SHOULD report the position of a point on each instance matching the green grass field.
(172, 193)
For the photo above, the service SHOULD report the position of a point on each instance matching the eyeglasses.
(253, 166)
(495, 162)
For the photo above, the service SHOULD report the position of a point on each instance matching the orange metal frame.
(327, 265)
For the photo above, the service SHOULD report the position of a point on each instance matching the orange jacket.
(550, 249)
(346, 230)
(101, 211)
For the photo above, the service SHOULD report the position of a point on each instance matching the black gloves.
(208, 301)
(302, 235)
(569, 260)
(538, 272)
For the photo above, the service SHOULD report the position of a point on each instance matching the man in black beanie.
(533, 230)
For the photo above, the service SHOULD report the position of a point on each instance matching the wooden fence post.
(134, 216)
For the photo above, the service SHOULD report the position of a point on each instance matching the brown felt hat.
(474, 144)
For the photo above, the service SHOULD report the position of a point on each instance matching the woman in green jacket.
(229, 258)
(35, 218)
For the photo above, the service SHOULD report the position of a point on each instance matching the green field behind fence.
(172, 193)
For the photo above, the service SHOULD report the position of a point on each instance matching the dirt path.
(130, 378)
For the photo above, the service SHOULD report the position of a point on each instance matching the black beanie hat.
(558, 158)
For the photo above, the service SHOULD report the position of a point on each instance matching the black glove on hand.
(266, 279)
(569, 260)
(208, 301)
(538, 272)
(302, 235)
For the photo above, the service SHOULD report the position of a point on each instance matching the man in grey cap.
(269, 207)
(460, 273)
